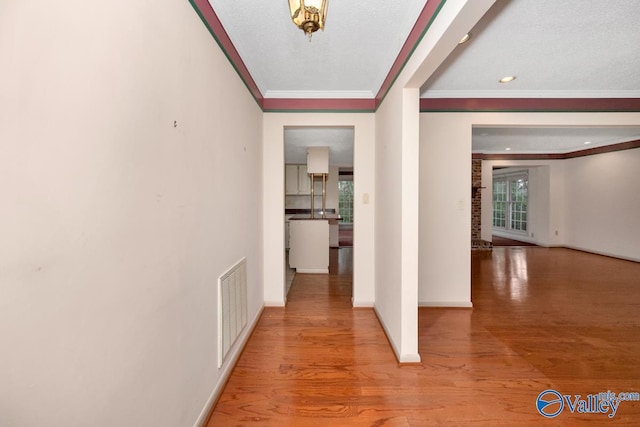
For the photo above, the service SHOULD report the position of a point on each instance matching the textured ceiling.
(349, 59)
(496, 140)
(557, 49)
(568, 48)
(338, 139)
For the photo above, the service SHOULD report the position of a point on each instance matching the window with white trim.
(510, 198)
(345, 202)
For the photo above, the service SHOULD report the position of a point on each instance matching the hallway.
(542, 319)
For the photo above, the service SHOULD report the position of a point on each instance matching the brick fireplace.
(476, 207)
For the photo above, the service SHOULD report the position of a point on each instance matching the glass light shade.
(309, 15)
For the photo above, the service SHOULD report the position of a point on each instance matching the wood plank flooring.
(503, 241)
(542, 318)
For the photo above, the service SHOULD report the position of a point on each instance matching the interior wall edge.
(227, 369)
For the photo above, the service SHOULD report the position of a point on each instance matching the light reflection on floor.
(511, 276)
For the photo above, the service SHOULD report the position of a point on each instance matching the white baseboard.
(312, 270)
(609, 254)
(275, 303)
(444, 304)
(402, 358)
(226, 372)
(362, 304)
(516, 236)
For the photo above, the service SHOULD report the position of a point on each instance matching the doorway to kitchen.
(332, 198)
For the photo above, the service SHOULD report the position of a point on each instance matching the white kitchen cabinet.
(296, 181)
(304, 182)
(286, 231)
(291, 179)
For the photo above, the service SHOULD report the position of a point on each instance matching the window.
(345, 203)
(518, 204)
(499, 204)
(510, 197)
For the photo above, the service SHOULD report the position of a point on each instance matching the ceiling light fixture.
(507, 79)
(587, 142)
(465, 38)
(309, 15)
(508, 149)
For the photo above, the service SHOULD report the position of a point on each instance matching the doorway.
(340, 142)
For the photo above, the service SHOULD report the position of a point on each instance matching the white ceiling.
(349, 59)
(501, 140)
(338, 139)
(556, 49)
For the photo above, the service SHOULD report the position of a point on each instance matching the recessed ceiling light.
(465, 38)
(508, 148)
(587, 142)
(507, 79)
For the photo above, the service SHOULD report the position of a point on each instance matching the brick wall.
(476, 198)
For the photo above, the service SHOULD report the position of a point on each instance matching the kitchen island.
(309, 242)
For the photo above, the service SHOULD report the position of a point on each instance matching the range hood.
(318, 166)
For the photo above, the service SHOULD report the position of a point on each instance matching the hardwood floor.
(543, 318)
(503, 241)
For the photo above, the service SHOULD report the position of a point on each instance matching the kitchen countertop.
(317, 215)
(294, 211)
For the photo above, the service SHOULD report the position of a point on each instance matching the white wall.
(115, 223)
(591, 202)
(602, 203)
(364, 197)
(546, 200)
(452, 131)
(388, 232)
(445, 212)
(398, 129)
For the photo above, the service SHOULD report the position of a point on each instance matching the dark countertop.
(306, 211)
(307, 216)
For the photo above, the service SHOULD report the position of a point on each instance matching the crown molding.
(428, 14)
(323, 105)
(319, 94)
(530, 94)
(559, 156)
(432, 105)
(355, 101)
(431, 101)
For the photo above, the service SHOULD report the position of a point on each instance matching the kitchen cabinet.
(291, 179)
(297, 181)
(304, 182)
(286, 231)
